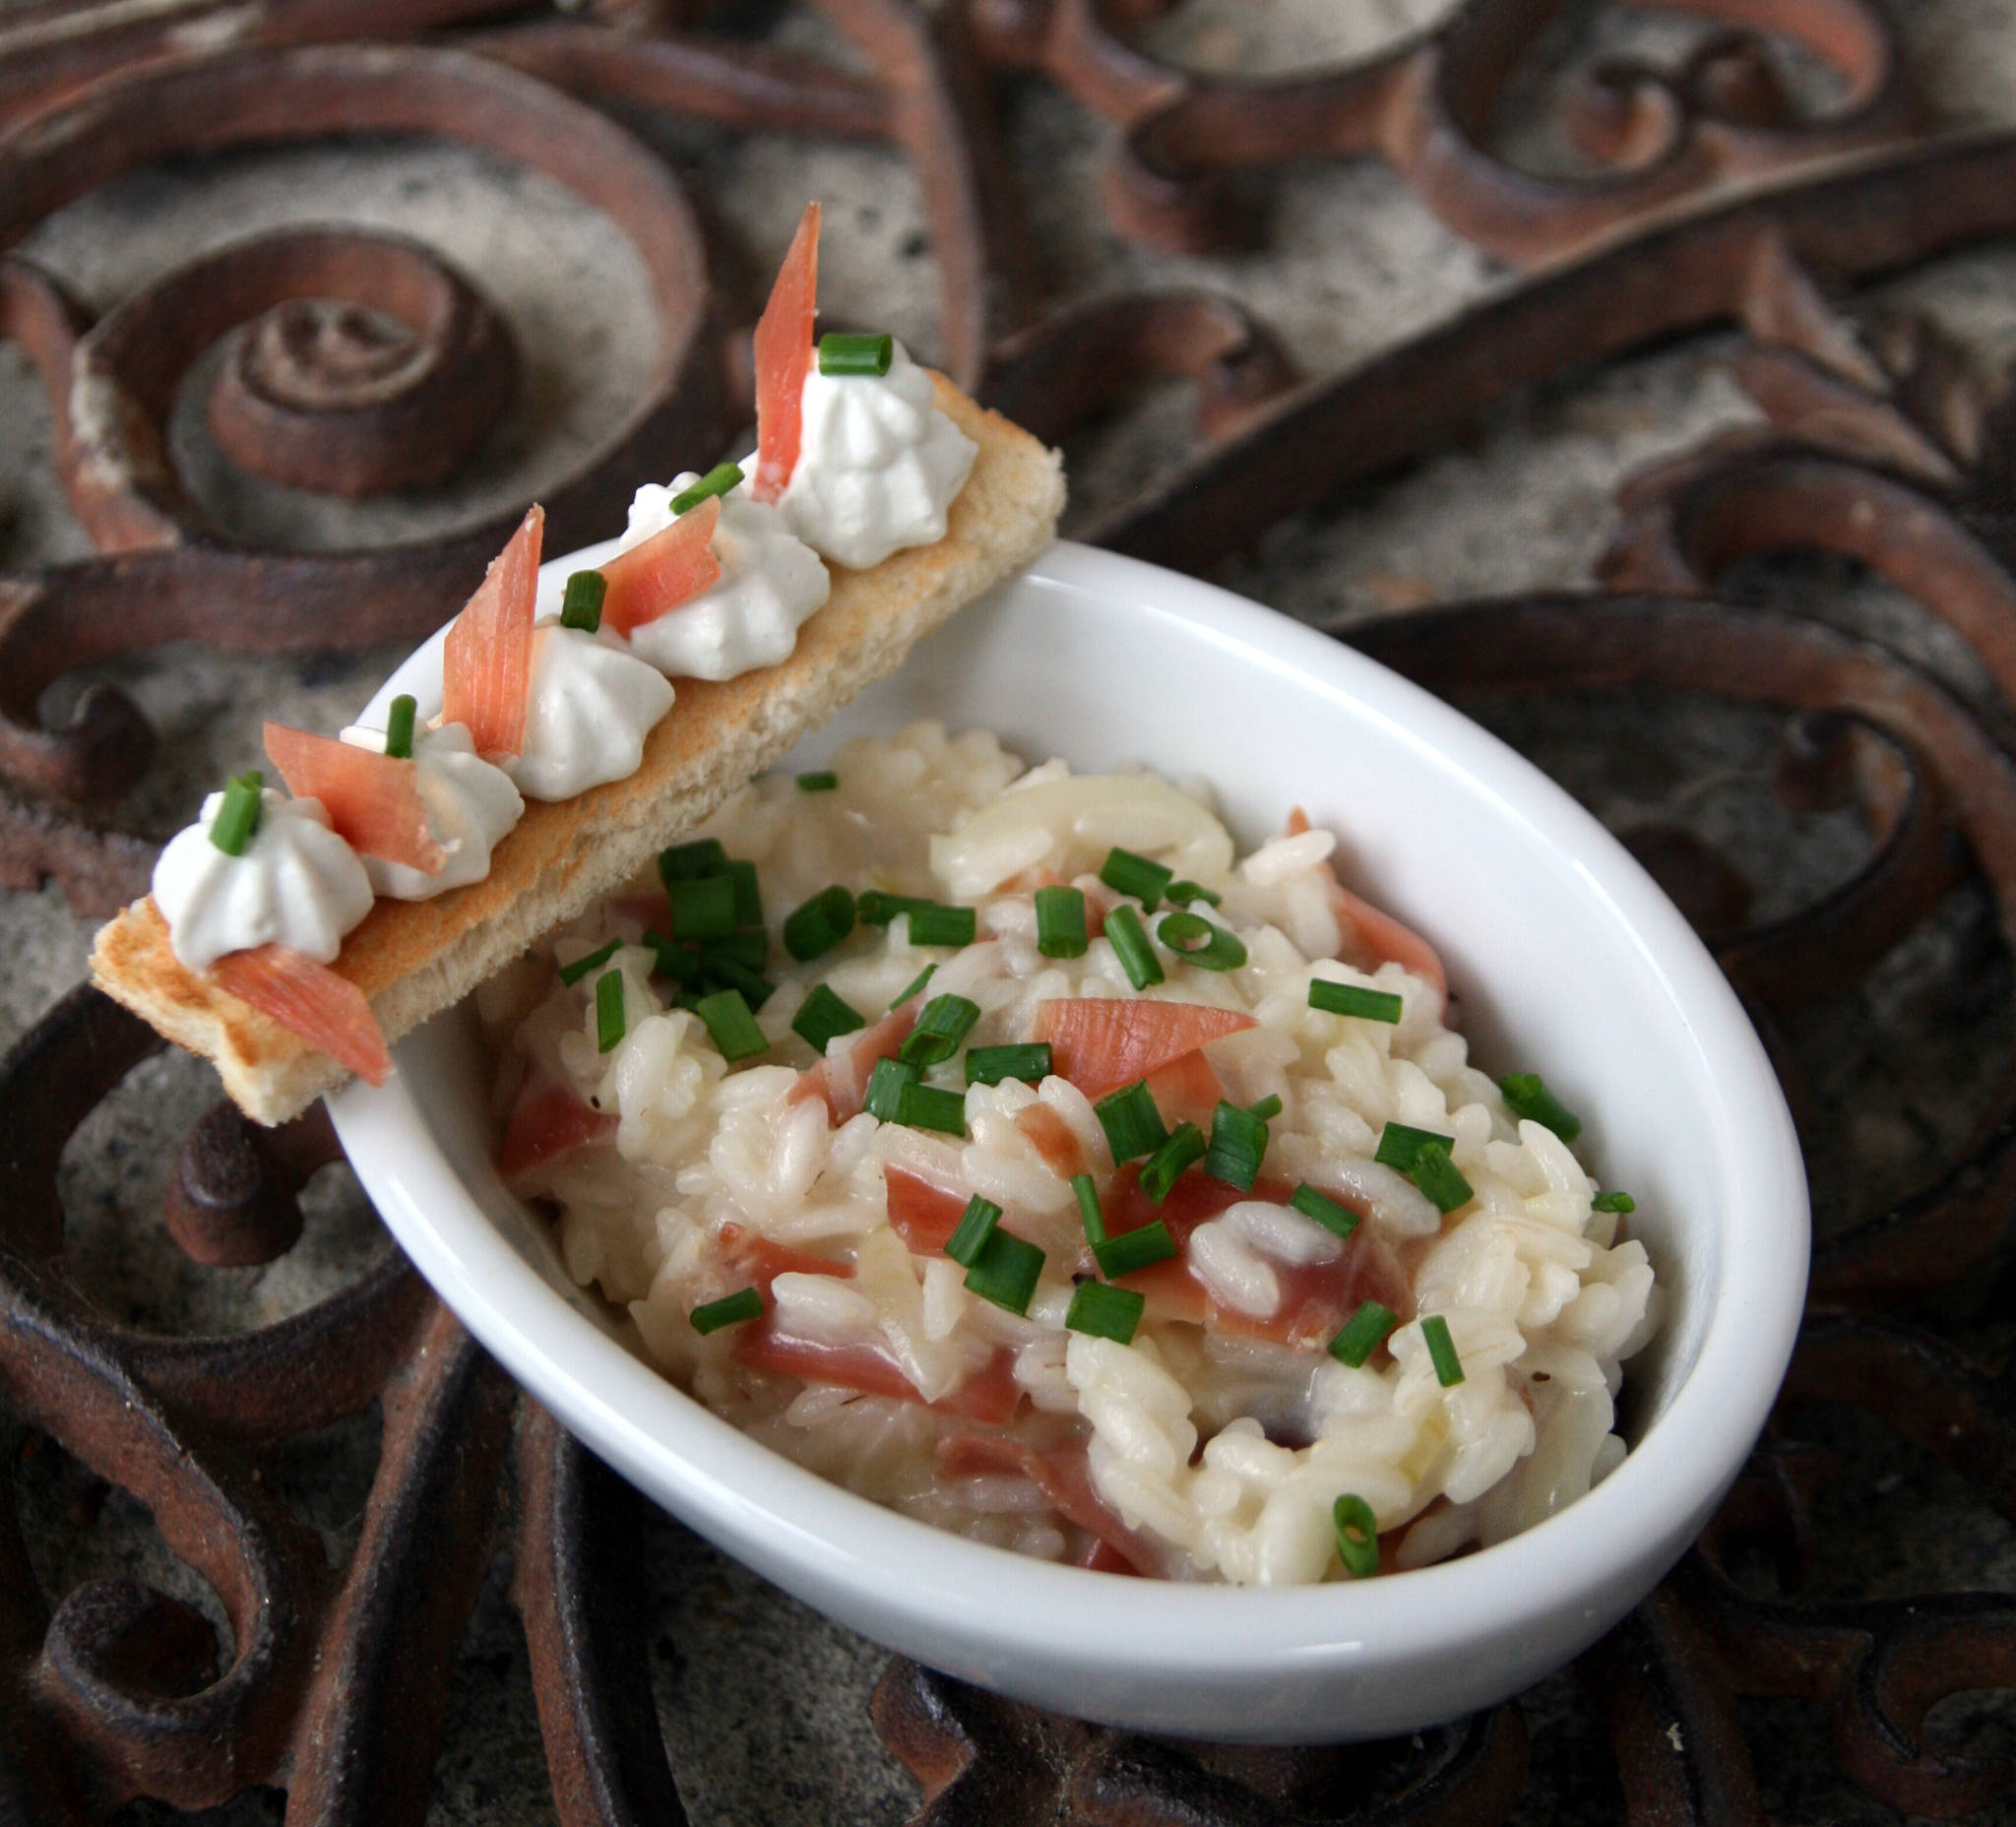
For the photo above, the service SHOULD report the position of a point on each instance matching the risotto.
(995, 1141)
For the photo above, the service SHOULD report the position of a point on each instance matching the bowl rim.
(778, 1515)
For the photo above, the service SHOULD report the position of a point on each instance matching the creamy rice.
(1214, 1444)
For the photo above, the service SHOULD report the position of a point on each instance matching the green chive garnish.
(1238, 1141)
(729, 1310)
(1358, 1536)
(1363, 1333)
(931, 924)
(1060, 923)
(1133, 1125)
(1184, 1148)
(1181, 894)
(1526, 1095)
(824, 781)
(716, 482)
(886, 1086)
(399, 728)
(1267, 1109)
(1087, 1190)
(720, 971)
(1131, 947)
(1337, 1219)
(1134, 1249)
(1129, 874)
(748, 896)
(581, 603)
(1442, 1350)
(1613, 1202)
(749, 948)
(821, 923)
(1439, 1177)
(1400, 1145)
(877, 909)
(969, 1235)
(925, 1107)
(581, 967)
(733, 1027)
(238, 817)
(941, 1025)
(1371, 1005)
(916, 986)
(1198, 941)
(675, 961)
(1006, 1271)
(692, 863)
(989, 1065)
(609, 1021)
(703, 909)
(825, 1017)
(843, 354)
(1105, 1311)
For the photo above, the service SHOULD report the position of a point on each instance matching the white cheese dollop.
(470, 803)
(297, 884)
(591, 706)
(769, 582)
(878, 463)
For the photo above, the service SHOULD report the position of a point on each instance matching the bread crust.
(413, 958)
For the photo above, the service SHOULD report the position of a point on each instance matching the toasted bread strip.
(413, 959)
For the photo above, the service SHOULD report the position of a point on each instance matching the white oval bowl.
(1566, 958)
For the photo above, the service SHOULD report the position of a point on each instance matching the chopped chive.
(692, 863)
(1006, 1271)
(878, 908)
(969, 1235)
(1267, 1109)
(1439, 1177)
(1087, 1190)
(1134, 875)
(703, 908)
(581, 602)
(1526, 1095)
(1181, 894)
(943, 1023)
(1060, 923)
(1613, 1202)
(1358, 1536)
(716, 482)
(1238, 1143)
(1400, 1145)
(886, 1086)
(989, 1065)
(1442, 1350)
(822, 922)
(610, 1024)
(1105, 1311)
(748, 896)
(238, 817)
(749, 948)
(399, 726)
(1340, 1219)
(1363, 1333)
(733, 1027)
(1132, 1124)
(1162, 1170)
(1200, 942)
(916, 986)
(729, 1310)
(824, 1016)
(931, 924)
(843, 354)
(1131, 947)
(925, 1107)
(1371, 1005)
(581, 967)
(721, 971)
(822, 780)
(1140, 1248)
(675, 961)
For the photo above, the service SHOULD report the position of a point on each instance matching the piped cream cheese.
(470, 803)
(769, 582)
(590, 705)
(296, 884)
(878, 465)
